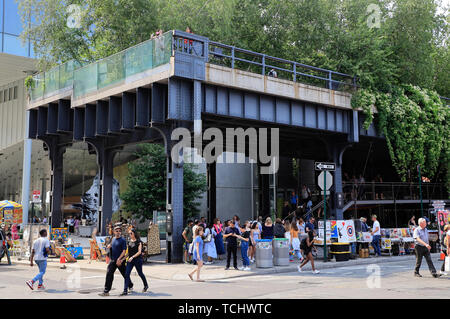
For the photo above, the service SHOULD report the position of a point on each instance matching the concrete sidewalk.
(160, 270)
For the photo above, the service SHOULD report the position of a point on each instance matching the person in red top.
(186, 46)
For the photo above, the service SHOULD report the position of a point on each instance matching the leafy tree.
(408, 47)
(147, 184)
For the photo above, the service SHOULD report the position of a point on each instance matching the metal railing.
(393, 191)
(237, 58)
(190, 44)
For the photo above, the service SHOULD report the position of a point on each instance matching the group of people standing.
(201, 239)
(72, 223)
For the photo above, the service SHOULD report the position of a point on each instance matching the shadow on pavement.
(56, 291)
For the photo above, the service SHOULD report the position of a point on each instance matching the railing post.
(295, 72)
(330, 83)
(59, 76)
(263, 64)
(43, 86)
(232, 57)
(373, 191)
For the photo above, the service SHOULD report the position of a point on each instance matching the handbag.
(208, 238)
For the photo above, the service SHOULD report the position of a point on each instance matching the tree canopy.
(147, 184)
(383, 42)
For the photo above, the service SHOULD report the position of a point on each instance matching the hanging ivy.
(365, 100)
(413, 121)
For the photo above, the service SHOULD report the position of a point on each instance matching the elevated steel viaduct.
(145, 92)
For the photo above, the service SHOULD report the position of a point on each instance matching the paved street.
(396, 281)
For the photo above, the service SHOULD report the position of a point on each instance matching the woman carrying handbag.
(210, 247)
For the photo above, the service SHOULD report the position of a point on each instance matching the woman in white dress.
(210, 246)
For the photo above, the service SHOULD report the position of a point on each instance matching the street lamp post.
(420, 190)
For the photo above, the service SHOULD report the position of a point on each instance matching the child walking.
(255, 234)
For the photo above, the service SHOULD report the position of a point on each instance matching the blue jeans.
(138, 264)
(376, 244)
(42, 264)
(244, 249)
(296, 253)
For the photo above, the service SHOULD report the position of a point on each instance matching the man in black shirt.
(117, 248)
(230, 235)
(286, 211)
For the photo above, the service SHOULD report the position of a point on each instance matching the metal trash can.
(263, 254)
(280, 251)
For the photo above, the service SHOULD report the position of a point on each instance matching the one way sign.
(321, 166)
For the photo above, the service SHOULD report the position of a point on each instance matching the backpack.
(303, 244)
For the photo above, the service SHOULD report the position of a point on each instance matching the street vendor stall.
(443, 218)
(397, 241)
(10, 213)
(337, 231)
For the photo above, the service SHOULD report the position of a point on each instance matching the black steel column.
(56, 198)
(211, 172)
(264, 189)
(106, 189)
(338, 153)
(174, 209)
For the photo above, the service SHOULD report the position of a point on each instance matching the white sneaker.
(241, 268)
(208, 263)
(30, 284)
(299, 268)
(316, 271)
(443, 273)
(247, 268)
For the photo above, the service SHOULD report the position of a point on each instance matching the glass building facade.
(10, 29)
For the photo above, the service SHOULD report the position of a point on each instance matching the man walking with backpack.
(40, 251)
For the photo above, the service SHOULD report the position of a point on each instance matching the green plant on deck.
(365, 100)
(29, 82)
